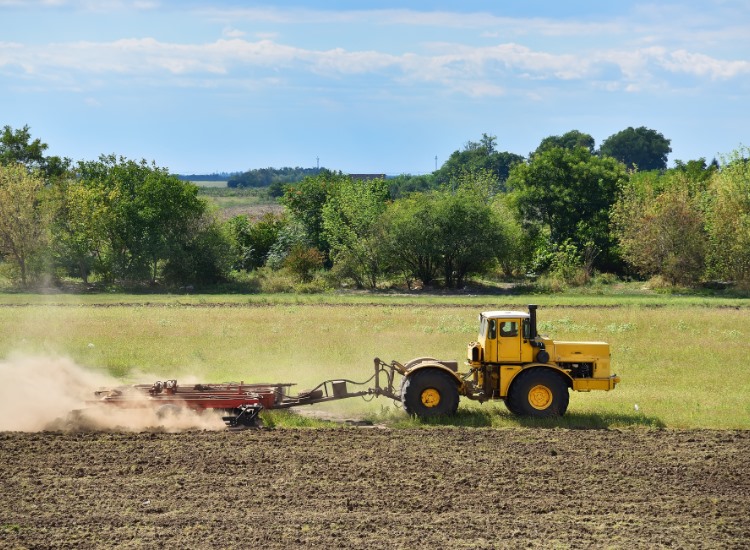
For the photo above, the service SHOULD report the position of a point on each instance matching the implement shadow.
(485, 418)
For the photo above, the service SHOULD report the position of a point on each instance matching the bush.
(204, 258)
(318, 284)
(605, 279)
(252, 242)
(272, 282)
(303, 261)
(281, 281)
(245, 281)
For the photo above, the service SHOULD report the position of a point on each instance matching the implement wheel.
(538, 392)
(429, 392)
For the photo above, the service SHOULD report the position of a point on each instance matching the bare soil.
(376, 488)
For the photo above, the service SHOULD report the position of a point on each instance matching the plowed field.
(376, 488)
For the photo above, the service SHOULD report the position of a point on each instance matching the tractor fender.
(568, 379)
(409, 364)
(433, 364)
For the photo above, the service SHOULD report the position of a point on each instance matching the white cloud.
(478, 70)
(493, 25)
(231, 32)
(701, 65)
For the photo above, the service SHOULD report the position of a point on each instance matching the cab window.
(492, 329)
(509, 329)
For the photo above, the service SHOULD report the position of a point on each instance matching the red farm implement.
(240, 402)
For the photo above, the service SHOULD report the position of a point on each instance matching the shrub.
(303, 261)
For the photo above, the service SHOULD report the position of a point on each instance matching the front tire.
(539, 393)
(428, 393)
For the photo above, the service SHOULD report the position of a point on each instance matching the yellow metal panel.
(580, 352)
(588, 384)
(507, 374)
(601, 368)
(527, 352)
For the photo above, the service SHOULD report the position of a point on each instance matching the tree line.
(565, 212)
(272, 178)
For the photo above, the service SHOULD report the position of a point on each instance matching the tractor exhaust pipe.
(542, 355)
(532, 320)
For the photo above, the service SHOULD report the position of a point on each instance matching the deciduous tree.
(569, 140)
(469, 235)
(78, 233)
(478, 157)
(144, 215)
(640, 148)
(661, 228)
(16, 146)
(411, 237)
(304, 202)
(24, 225)
(729, 218)
(352, 223)
(453, 234)
(570, 192)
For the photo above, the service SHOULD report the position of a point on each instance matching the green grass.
(682, 360)
(210, 184)
(497, 416)
(486, 300)
(224, 197)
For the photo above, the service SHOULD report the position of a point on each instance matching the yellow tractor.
(509, 361)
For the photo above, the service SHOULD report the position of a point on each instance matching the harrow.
(241, 403)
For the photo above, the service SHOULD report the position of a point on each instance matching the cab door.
(509, 340)
(490, 341)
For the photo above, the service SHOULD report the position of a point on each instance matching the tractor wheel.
(538, 392)
(429, 392)
(510, 407)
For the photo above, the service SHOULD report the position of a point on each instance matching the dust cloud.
(54, 393)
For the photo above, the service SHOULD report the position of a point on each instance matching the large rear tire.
(429, 392)
(539, 393)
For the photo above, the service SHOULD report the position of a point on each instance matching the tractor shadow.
(487, 418)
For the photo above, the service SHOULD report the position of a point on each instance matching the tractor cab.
(500, 335)
(507, 337)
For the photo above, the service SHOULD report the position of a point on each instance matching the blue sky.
(204, 86)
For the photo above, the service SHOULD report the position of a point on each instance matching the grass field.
(211, 184)
(682, 360)
(234, 202)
